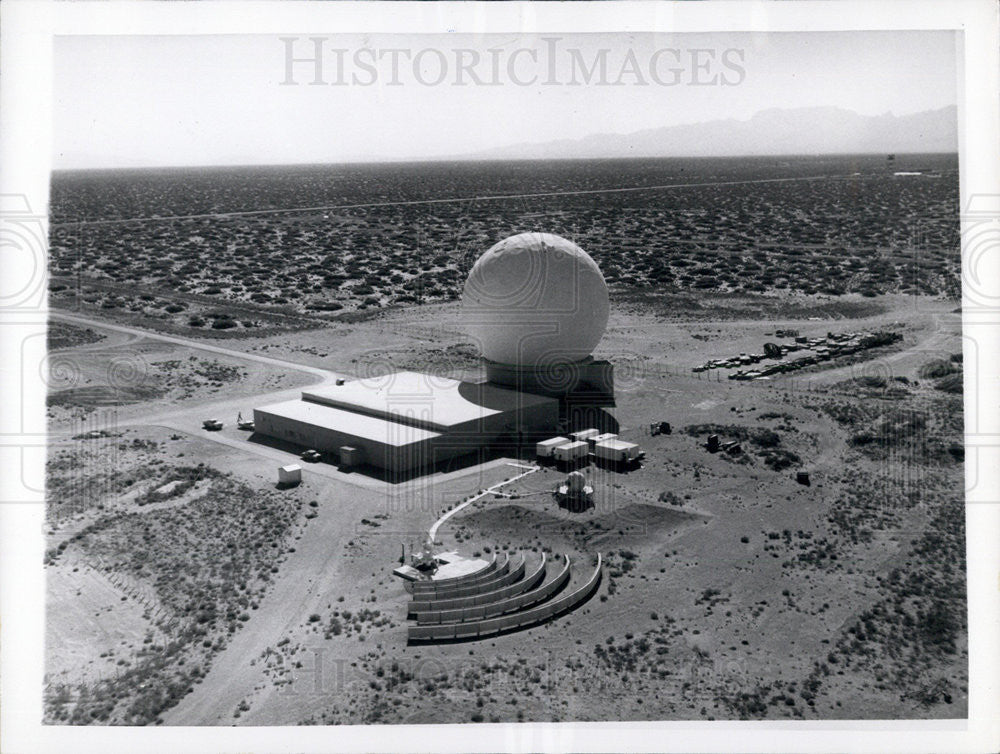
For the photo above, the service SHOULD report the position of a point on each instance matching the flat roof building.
(406, 420)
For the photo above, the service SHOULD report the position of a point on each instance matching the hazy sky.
(213, 100)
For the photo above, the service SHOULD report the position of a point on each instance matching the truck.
(212, 425)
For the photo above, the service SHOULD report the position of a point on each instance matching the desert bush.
(950, 384)
(936, 368)
(871, 381)
(780, 458)
(670, 497)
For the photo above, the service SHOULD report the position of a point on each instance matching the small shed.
(572, 451)
(290, 475)
(592, 441)
(617, 451)
(585, 434)
(546, 448)
(350, 456)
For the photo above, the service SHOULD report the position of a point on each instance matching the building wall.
(460, 439)
(382, 455)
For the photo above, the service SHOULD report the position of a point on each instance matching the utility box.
(546, 448)
(802, 477)
(617, 451)
(350, 456)
(572, 451)
(289, 476)
(592, 441)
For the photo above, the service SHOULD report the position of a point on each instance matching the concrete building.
(406, 420)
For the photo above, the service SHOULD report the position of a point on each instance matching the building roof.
(349, 422)
(615, 444)
(553, 441)
(423, 400)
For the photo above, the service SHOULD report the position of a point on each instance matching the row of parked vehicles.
(823, 349)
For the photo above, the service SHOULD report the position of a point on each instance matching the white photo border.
(28, 29)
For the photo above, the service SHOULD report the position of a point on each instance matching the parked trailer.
(572, 451)
(617, 451)
(546, 448)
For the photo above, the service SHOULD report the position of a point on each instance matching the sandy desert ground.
(185, 589)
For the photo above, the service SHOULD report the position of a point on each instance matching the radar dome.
(534, 299)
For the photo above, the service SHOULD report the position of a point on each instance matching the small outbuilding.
(592, 441)
(585, 434)
(546, 448)
(290, 475)
(350, 456)
(617, 452)
(571, 452)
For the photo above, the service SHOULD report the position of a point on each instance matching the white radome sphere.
(534, 299)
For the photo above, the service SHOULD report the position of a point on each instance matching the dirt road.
(322, 374)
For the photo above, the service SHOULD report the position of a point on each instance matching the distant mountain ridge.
(775, 131)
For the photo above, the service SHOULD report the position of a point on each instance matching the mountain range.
(776, 131)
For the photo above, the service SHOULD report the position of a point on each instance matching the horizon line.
(461, 159)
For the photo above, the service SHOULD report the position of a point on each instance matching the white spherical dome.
(535, 299)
